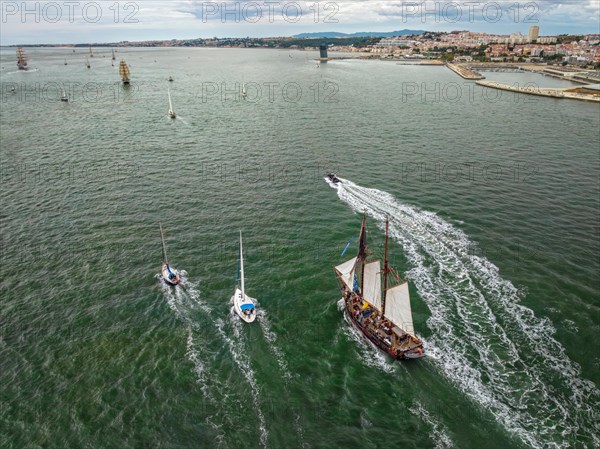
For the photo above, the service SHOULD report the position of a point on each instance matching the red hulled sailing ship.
(381, 313)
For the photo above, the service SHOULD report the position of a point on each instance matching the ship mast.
(162, 239)
(385, 266)
(362, 250)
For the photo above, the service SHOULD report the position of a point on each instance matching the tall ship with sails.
(21, 59)
(381, 313)
(124, 71)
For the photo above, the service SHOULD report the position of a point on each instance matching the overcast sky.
(81, 21)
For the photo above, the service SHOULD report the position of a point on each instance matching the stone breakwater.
(465, 72)
(570, 93)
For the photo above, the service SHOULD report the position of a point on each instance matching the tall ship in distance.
(383, 314)
(21, 59)
(124, 71)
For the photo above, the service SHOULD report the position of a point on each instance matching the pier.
(570, 93)
(465, 72)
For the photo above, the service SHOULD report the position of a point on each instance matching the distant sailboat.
(170, 276)
(21, 59)
(91, 53)
(243, 305)
(170, 79)
(171, 111)
(113, 54)
(124, 71)
(65, 61)
(87, 62)
(64, 96)
(244, 91)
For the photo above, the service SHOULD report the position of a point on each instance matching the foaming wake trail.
(183, 299)
(271, 337)
(368, 353)
(439, 434)
(238, 351)
(177, 301)
(490, 346)
(199, 368)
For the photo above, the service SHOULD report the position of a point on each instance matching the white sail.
(164, 248)
(372, 284)
(346, 272)
(397, 308)
(242, 266)
(171, 111)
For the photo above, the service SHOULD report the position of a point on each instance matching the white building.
(517, 38)
(395, 42)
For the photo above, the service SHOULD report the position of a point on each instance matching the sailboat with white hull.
(169, 275)
(243, 304)
(382, 314)
(171, 112)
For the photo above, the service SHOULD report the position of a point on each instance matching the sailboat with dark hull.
(124, 72)
(21, 59)
(381, 313)
(169, 275)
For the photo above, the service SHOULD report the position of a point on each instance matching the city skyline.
(31, 23)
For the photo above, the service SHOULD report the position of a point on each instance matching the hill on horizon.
(333, 34)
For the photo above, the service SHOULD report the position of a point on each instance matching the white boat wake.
(183, 299)
(271, 337)
(177, 299)
(439, 434)
(492, 348)
(238, 351)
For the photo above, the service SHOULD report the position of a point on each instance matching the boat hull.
(240, 300)
(331, 177)
(415, 351)
(171, 281)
